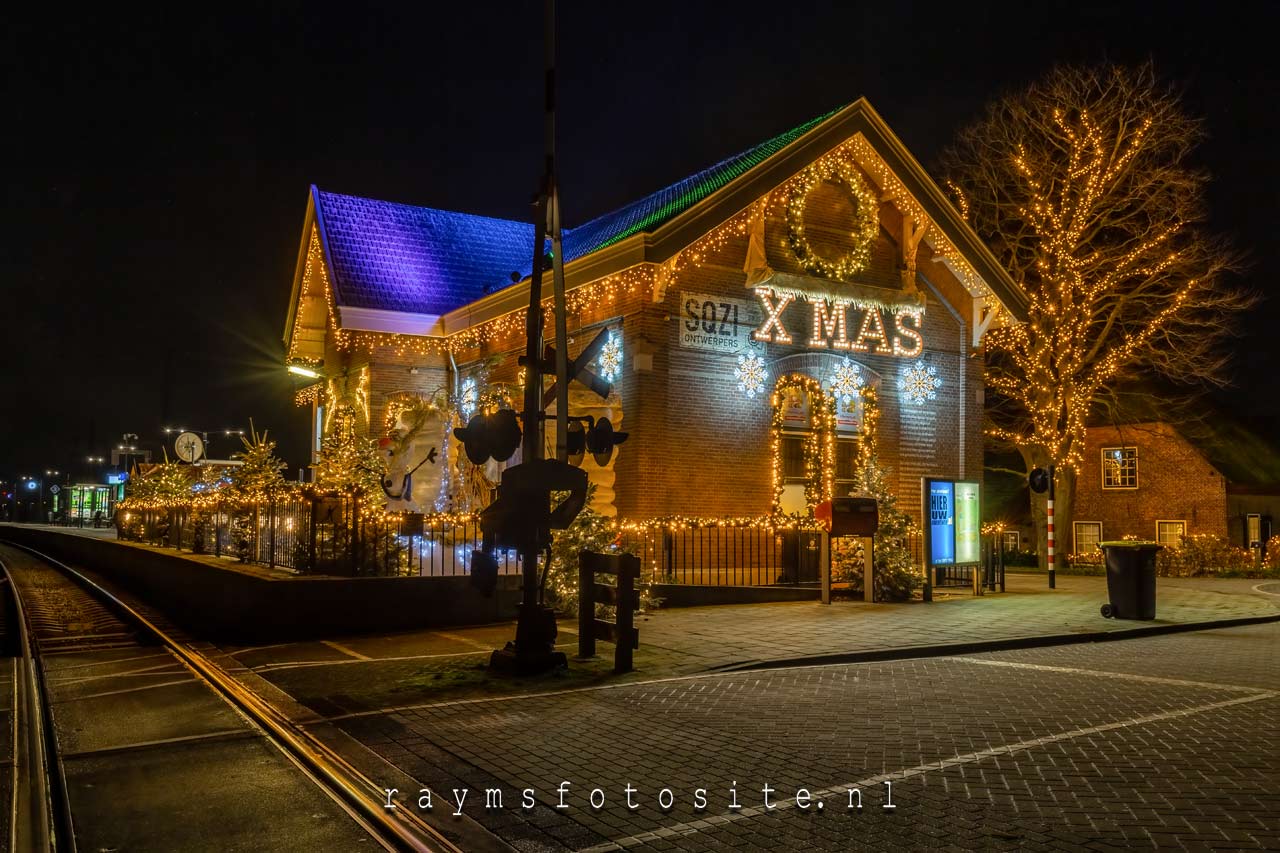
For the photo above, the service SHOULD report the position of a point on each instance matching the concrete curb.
(1002, 645)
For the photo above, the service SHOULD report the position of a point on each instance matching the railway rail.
(124, 736)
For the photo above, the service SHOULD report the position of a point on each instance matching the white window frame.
(1075, 534)
(1182, 521)
(1103, 472)
(1017, 540)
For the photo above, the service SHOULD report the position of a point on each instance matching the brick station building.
(816, 264)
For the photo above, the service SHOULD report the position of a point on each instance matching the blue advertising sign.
(942, 523)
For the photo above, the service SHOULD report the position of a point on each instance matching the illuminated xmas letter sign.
(882, 329)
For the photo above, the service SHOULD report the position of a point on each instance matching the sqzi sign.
(881, 329)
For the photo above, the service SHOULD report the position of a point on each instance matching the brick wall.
(1175, 483)
(699, 446)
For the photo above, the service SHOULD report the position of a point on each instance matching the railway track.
(124, 737)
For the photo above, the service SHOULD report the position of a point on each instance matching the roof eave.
(304, 245)
(577, 272)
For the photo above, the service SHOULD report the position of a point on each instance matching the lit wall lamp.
(299, 370)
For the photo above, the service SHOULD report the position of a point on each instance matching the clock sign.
(189, 447)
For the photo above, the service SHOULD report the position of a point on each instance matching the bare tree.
(1083, 188)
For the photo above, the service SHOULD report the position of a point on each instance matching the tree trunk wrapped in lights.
(1082, 187)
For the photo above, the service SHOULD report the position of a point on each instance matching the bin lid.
(1131, 543)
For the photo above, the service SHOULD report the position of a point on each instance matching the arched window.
(803, 444)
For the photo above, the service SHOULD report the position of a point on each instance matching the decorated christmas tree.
(258, 478)
(895, 572)
(349, 462)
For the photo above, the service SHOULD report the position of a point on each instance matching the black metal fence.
(724, 555)
(325, 535)
(333, 536)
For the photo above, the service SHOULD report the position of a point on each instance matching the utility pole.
(1053, 582)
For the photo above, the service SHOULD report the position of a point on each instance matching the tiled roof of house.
(398, 257)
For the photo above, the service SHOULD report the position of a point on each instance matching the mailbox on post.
(854, 516)
(849, 517)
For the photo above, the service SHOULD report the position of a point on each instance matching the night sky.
(156, 164)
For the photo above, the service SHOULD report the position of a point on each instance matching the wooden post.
(869, 573)
(586, 606)
(621, 632)
(628, 569)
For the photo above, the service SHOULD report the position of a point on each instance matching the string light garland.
(866, 218)
(892, 188)
(819, 441)
(919, 382)
(751, 374)
(468, 399)
(313, 393)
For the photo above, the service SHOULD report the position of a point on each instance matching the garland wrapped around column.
(819, 443)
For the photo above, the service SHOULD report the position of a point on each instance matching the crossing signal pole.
(522, 516)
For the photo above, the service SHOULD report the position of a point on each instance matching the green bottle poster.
(968, 523)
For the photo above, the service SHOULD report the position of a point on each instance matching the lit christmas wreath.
(866, 220)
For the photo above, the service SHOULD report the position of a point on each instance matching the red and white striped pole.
(1049, 525)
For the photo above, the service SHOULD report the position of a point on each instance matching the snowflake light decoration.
(469, 400)
(919, 382)
(751, 374)
(610, 358)
(846, 382)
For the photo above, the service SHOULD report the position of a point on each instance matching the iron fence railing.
(333, 536)
(725, 555)
(324, 535)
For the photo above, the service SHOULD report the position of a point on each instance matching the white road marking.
(460, 638)
(345, 650)
(144, 671)
(1102, 673)
(689, 828)
(450, 703)
(303, 664)
(63, 667)
(137, 689)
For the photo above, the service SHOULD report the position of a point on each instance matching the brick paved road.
(1167, 741)
(367, 673)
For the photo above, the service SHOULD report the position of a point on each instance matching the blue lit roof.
(399, 257)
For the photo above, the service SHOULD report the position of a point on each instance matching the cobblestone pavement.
(1166, 741)
(357, 674)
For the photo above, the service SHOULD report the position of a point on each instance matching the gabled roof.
(398, 257)
(419, 260)
(656, 208)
